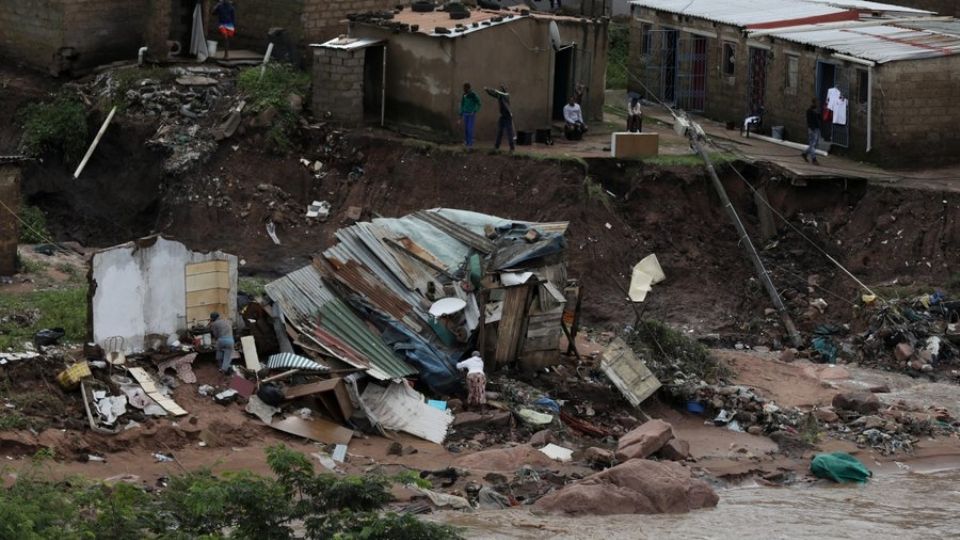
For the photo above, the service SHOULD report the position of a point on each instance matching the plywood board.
(628, 373)
(250, 358)
(206, 267)
(634, 145)
(150, 387)
(316, 429)
(512, 324)
(213, 280)
(207, 288)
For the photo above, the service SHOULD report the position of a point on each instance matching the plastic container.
(777, 132)
(211, 48)
(71, 377)
(695, 407)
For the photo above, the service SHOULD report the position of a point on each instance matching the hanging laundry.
(198, 41)
(833, 95)
(840, 112)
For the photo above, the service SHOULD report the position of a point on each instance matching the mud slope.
(880, 233)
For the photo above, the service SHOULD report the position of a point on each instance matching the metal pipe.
(93, 145)
(854, 59)
(869, 108)
(142, 51)
(751, 250)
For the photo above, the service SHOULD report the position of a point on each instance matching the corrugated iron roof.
(862, 5)
(308, 303)
(742, 12)
(880, 43)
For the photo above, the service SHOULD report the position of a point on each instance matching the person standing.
(469, 107)
(476, 380)
(505, 123)
(222, 332)
(574, 126)
(813, 133)
(226, 23)
(634, 115)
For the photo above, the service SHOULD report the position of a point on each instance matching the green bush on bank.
(272, 90)
(199, 504)
(58, 126)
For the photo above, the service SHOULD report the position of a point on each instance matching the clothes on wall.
(840, 112)
(836, 110)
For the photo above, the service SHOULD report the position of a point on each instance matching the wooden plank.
(214, 280)
(316, 429)
(628, 373)
(512, 323)
(250, 358)
(150, 388)
(207, 267)
(206, 297)
(300, 390)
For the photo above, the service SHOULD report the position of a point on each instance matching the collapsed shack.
(411, 296)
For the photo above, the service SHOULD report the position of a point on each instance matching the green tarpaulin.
(839, 467)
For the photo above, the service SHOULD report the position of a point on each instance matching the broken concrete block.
(826, 415)
(644, 441)
(861, 402)
(543, 438)
(903, 352)
(598, 456)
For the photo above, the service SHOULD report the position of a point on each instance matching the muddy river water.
(902, 505)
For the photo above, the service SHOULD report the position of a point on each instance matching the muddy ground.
(900, 242)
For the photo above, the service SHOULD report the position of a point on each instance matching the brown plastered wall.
(9, 226)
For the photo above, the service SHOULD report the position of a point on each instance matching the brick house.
(897, 68)
(408, 70)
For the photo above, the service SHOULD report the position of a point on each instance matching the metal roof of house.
(880, 43)
(743, 12)
(344, 42)
(863, 5)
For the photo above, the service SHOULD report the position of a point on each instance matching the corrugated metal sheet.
(461, 233)
(862, 5)
(881, 43)
(308, 304)
(742, 12)
(401, 408)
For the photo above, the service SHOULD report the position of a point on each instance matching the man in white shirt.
(573, 116)
(476, 380)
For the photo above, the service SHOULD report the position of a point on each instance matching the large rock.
(861, 402)
(506, 459)
(638, 486)
(644, 441)
(675, 450)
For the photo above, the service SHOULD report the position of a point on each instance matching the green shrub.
(273, 90)
(619, 40)
(33, 230)
(668, 351)
(58, 126)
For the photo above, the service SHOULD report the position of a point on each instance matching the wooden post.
(768, 227)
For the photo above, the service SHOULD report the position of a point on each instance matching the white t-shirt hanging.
(840, 112)
(833, 95)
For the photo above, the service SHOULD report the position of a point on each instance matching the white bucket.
(211, 48)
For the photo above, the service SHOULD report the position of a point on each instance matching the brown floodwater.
(902, 505)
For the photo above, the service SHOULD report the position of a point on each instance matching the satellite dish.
(558, 45)
(555, 36)
(447, 306)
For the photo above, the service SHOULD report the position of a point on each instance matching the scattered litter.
(319, 210)
(261, 410)
(226, 397)
(162, 458)
(96, 458)
(272, 232)
(325, 460)
(558, 453)
(437, 404)
(535, 418)
(205, 390)
(340, 453)
(839, 467)
(646, 274)
(442, 499)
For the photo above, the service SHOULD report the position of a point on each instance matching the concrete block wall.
(324, 19)
(104, 30)
(915, 114)
(338, 84)
(256, 17)
(9, 227)
(31, 30)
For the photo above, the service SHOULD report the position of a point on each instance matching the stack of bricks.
(338, 83)
(324, 19)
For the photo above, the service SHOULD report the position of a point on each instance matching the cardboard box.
(634, 145)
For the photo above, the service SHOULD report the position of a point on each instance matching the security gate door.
(756, 80)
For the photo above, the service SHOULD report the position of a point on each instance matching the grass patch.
(272, 91)
(35, 229)
(55, 127)
(198, 504)
(594, 191)
(63, 308)
(690, 160)
(127, 79)
(617, 55)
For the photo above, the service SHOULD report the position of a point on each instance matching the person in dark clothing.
(505, 123)
(813, 133)
(226, 23)
(222, 331)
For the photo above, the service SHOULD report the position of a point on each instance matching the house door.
(562, 80)
(691, 85)
(669, 65)
(756, 79)
(374, 76)
(831, 76)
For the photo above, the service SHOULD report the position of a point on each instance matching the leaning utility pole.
(693, 133)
